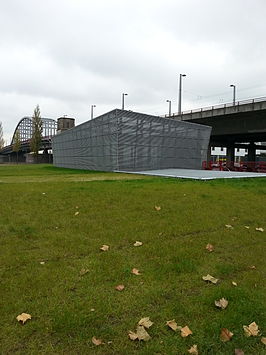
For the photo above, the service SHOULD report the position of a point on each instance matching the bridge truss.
(25, 128)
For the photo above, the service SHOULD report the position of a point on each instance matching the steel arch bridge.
(25, 129)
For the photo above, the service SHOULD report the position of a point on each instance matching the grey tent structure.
(129, 141)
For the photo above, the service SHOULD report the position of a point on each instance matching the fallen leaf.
(132, 335)
(97, 341)
(185, 332)
(193, 350)
(228, 226)
(23, 317)
(263, 340)
(210, 247)
(141, 334)
(76, 213)
(239, 352)
(120, 287)
(42, 262)
(226, 335)
(251, 330)
(210, 278)
(83, 271)
(105, 247)
(259, 229)
(247, 227)
(145, 322)
(135, 271)
(172, 324)
(252, 267)
(158, 208)
(222, 303)
(137, 244)
(234, 283)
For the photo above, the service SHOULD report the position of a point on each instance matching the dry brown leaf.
(228, 226)
(83, 271)
(263, 340)
(137, 244)
(222, 303)
(120, 287)
(97, 341)
(226, 335)
(23, 317)
(135, 271)
(141, 334)
(210, 278)
(76, 213)
(239, 352)
(157, 208)
(234, 283)
(172, 324)
(145, 322)
(132, 335)
(185, 332)
(105, 247)
(260, 229)
(210, 247)
(251, 330)
(193, 350)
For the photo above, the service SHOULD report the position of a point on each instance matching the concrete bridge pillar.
(230, 154)
(251, 152)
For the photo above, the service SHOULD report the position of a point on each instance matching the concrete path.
(197, 174)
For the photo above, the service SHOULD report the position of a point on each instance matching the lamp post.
(170, 104)
(234, 94)
(123, 101)
(180, 93)
(92, 107)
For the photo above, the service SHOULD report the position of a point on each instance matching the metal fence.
(125, 140)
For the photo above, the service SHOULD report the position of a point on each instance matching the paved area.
(197, 174)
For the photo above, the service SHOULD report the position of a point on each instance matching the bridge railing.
(220, 106)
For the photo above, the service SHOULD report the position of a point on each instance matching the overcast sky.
(66, 55)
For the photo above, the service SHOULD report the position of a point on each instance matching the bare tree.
(36, 139)
(17, 143)
(2, 141)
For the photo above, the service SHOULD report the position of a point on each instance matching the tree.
(17, 143)
(36, 138)
(2, 141)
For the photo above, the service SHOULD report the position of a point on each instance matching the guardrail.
(220, 106)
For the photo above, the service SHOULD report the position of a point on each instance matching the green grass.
(118, 209)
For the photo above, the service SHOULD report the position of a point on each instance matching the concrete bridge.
(233, 126)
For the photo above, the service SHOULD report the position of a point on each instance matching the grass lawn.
(52, 267)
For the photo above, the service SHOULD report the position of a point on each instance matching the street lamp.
(92, 107)
(234, 94)
(170, 104)
(123, 101)
(180, 93)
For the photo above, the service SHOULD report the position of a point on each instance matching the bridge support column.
(251, 152)
(209, 158)
(230, 154)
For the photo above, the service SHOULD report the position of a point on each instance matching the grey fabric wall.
(124, 140)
